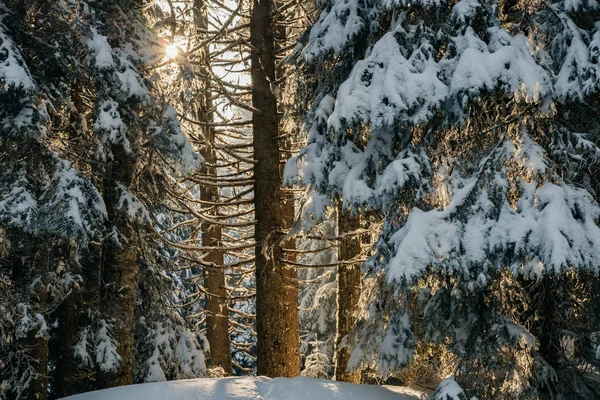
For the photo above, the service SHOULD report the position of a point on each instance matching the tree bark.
(217, 316)
(87, 311)
(348, 293)
(61, 348)
(118, 300)
(278, 352)
(38, 388)
(119, 269)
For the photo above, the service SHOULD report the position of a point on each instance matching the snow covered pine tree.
(48, 210)
(79, 131)
(473, 125)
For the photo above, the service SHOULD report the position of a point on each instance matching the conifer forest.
(378, 192)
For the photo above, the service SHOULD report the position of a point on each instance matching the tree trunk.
(348, 293)
(278, 352)
(217, 316)
(549, 347)
(119, 270)
(61, 348)
(87, 311)
(118, 300)
(38, 388)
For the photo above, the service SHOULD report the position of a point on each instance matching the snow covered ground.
(246, 388)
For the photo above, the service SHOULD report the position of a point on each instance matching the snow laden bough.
(125, 85)
(472, 126)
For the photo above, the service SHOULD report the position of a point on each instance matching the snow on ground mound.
(246, 388)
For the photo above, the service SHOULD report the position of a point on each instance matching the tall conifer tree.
(278, 342)
(470, 124)
(80, 132)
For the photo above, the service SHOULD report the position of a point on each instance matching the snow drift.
(246, 388)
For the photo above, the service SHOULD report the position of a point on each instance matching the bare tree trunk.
(217, 316)
(278, 340)
(348, 293)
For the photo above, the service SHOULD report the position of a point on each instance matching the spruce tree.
(74, 109)
(470, 125)
(48, 208)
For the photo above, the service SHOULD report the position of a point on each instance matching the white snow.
(131, 82)
(101, 49)
(505, 61)
(317, 364)
(189, 356)
(247, 388)
(397, 346)
(13, 70)
(81, 348)
(576, 5)
(131, 205)
(335, 28)
(107, 58)
(395, 83)
(464, 10)
(18, 204)
(112, 127)
(448, 389)
(70, 205)
(578, 75)
(186, 156)
(516, 332)
(553, 221)
(387, 86)
(107, 356)
(30, 320)
(308, 167)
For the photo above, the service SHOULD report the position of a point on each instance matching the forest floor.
(253, 388)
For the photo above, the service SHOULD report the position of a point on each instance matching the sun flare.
(172, 50)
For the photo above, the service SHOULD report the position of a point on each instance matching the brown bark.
(288, 211)
(276, 286)
(217, 316)
(549, 293)
(348, 294)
